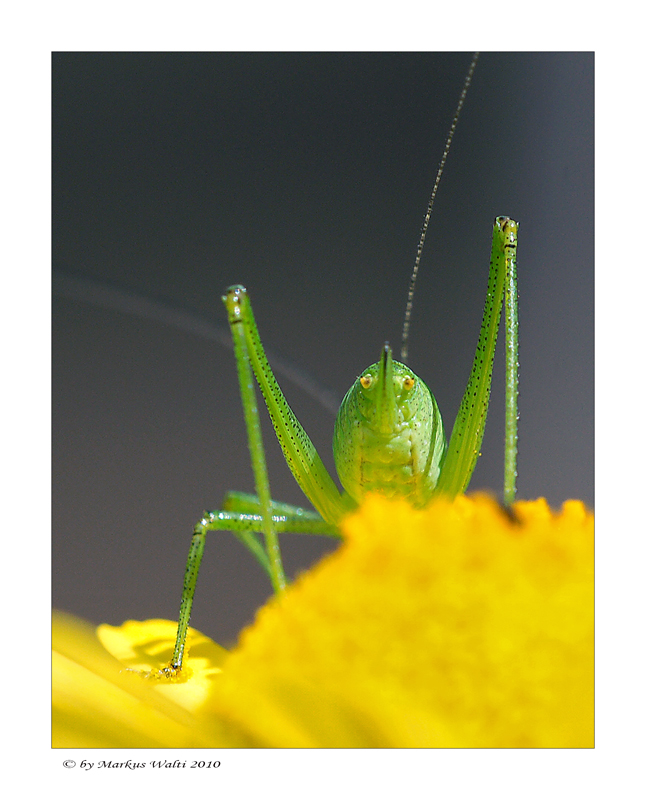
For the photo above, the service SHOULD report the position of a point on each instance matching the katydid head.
(388, 435)
(385, 393)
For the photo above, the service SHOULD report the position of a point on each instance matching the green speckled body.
(388, 436)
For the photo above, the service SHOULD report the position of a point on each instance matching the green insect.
(388, 436)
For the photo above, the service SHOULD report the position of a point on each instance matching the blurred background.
(305, 177)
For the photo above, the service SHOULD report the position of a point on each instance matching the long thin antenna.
(440, 170)
(126, 300)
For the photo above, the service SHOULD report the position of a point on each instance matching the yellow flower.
(454, 626)
(99, 701)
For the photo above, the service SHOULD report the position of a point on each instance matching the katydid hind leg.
(245, 524)
(298, 450)
(468, 430)
(248, 515)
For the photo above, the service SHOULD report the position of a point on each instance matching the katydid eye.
(408, 382)
(366, 381)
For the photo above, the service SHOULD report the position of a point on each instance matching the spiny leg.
(468, 430)
(244, 525)
(254, 438)
(269, 555)
(303, 460)
(300, 454)
(511, 373)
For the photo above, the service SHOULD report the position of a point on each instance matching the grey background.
(305, 177)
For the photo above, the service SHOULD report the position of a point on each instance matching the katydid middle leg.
(245, 523)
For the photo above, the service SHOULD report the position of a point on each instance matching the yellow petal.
(97, 702)
(148, 646)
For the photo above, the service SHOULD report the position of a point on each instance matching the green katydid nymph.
(388, 437)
